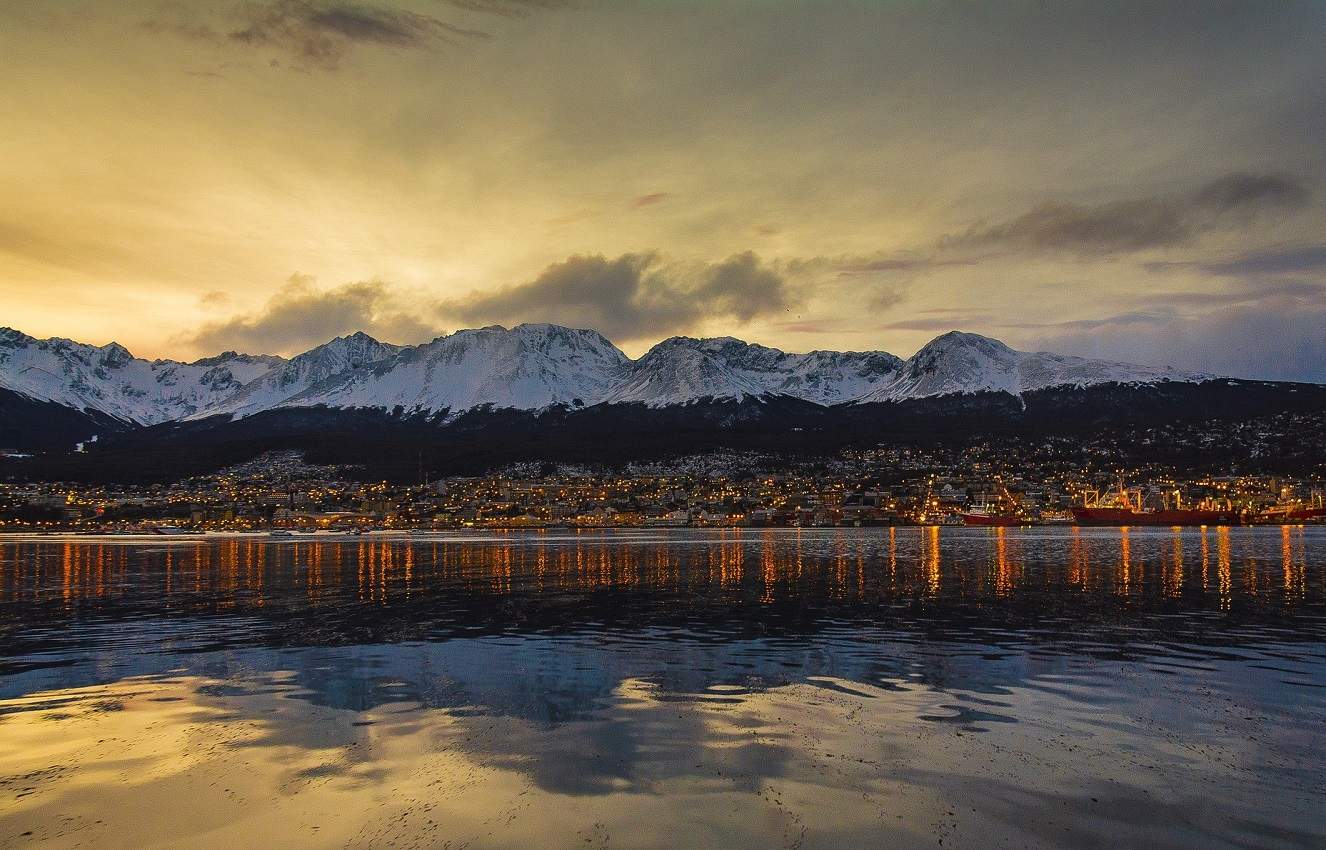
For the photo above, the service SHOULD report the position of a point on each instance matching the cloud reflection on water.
(830, 688)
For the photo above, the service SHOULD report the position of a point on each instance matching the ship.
(980, 515)
(1289, 511)
(1006, 511)
(1130, 507)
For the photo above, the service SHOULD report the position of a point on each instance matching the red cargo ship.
(1127, 508)
(983, 516)
(1088, 515)
(1006, 512)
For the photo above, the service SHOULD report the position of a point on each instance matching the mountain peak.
(673, 373)
(734, 368)
(965, 339)
(958, 362)
(12, 337)
(230, 355)
(115, 355)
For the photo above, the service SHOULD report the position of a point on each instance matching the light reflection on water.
(836, 688)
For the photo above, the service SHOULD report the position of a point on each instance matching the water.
(838, 688)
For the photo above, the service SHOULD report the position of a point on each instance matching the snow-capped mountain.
(674, 372)
(824, 377)
(682, 370)
(528, 367)
(112, 381)
(959, 362)
(302, 373)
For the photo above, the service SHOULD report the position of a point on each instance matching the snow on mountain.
(676, 372)
(683, 369)
(824, 377)
(959, 362)
(111, 380)
(528, 367)
(302, 373)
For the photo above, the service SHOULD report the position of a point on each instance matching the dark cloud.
(1259, 264)
(1242, 191)
(1119, 226)
(300, 316)
(321, 33)
(634, 295)
(1139, 223)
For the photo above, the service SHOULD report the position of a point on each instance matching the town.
(859, 487)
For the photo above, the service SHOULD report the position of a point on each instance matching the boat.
(1287, 512)
(1089, 515)
(1125, 507)
(1006, 511)
(989, 516)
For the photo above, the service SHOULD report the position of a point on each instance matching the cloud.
(1304, 259)
(945, 321)
(508, 8)
(299, 316)
(1241, 191)
(1243, 292)
(879, 280)
(651, 198)
(634, 295)
(1119, 226)
(850, 266)
(1139, 223)
(816, 326)
(319, 34)
(1282, 337)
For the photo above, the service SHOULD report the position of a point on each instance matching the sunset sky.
(1136, 181)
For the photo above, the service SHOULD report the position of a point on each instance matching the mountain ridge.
(531, 366)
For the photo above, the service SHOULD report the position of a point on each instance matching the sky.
(1136, 181)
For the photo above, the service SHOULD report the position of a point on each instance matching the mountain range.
(529, 367)
(480, 399)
